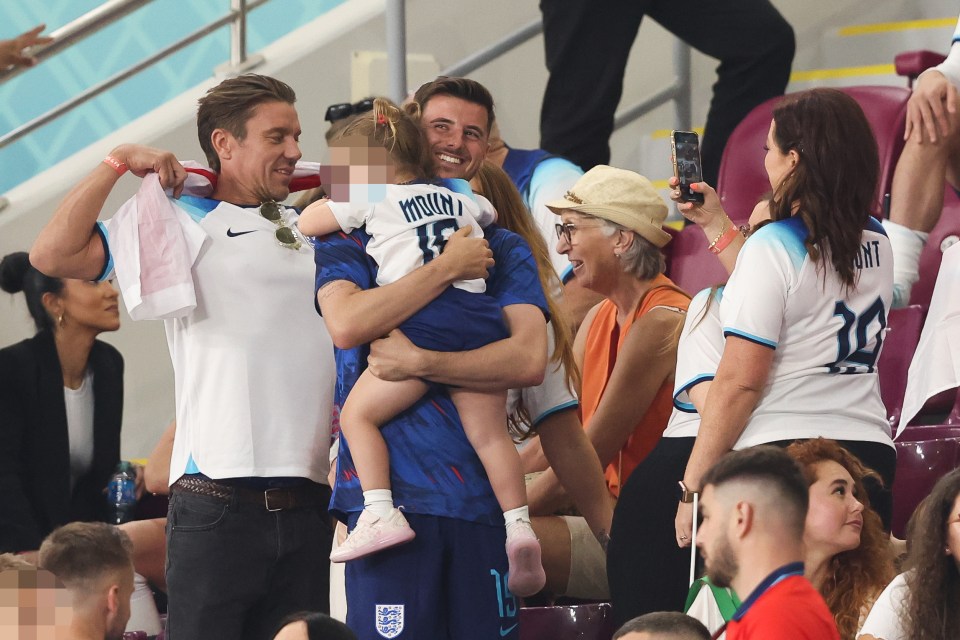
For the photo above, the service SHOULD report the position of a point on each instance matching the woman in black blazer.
(53, 469)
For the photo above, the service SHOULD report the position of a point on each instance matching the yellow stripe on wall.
(665, 133)
(906, 25)
(843, 72)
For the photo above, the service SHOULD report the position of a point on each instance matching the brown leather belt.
(276, 499)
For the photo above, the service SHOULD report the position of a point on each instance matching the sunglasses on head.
(345, 109)
(285, 235)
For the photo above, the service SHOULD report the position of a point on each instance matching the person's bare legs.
(371, 404)
(916, 200)
(484, 423)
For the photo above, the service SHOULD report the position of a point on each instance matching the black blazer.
(34, 446)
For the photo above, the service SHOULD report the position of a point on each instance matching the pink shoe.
(373, 534)
(525, 576)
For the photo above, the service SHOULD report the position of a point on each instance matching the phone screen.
(686, 164)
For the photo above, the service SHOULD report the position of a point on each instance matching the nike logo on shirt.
(233, 234)
(505, 632)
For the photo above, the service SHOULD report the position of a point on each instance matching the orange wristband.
(724, 240)
(115, 164)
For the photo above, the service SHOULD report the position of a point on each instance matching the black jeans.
(646, 569)
(587, 43)
(235, 569)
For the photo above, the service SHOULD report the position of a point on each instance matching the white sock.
(907, 245)
(143, 609)
(379, 502)
(512, 517)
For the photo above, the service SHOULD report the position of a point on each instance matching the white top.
(827, 338)
(549, 396)
(951, 66)
(885, 618)
(935, 366)
(79, 404)
(551, 179)
(411, 224)
(253, 362)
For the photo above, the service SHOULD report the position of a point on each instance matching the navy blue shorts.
(450, 583)
(456, 320)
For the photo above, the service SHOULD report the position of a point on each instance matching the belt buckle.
(266, 498)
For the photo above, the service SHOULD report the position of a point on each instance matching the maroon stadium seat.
(743, 180)
(898, 347)
(924, 455)
(583, 622)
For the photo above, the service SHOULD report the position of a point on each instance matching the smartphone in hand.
(685, 147)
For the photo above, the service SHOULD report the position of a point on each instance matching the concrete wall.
(316, 61)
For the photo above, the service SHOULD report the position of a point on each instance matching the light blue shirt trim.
(108, 265)
(748, 336)
(687, 407)
(192, 467)
(570, 404)
(197, 208)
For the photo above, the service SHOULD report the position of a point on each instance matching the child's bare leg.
(484, 423)
(371, 404)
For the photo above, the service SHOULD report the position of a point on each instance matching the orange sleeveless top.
(604, 340)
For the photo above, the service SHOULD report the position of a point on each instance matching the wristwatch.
(686, 495)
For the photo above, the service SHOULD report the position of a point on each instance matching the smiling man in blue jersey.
(450, 581)
(248, 537)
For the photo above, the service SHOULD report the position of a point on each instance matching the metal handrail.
(81, 28)
(108, 13)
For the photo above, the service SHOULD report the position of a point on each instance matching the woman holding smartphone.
(787, 352)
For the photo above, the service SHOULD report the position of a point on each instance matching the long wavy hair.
(834, 184)
(855, 577)
(932, 608)
(512, 214)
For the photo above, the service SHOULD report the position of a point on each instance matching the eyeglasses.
(567, 229)
(345, 109)
(285, 235)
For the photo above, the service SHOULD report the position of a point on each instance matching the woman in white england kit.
(788, 351)
(410, 217)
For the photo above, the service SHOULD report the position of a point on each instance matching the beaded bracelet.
(116, 165)
(723, 240)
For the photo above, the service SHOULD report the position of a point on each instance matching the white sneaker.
(373, 534)
(526, 576)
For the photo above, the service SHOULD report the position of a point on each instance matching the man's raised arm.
(70, 246)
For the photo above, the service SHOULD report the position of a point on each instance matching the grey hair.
(642, 259)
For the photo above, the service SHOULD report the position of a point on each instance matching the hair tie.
(381, 119)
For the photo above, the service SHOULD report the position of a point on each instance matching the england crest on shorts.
(389, 620)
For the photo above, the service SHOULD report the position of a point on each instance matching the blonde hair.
(512, 215)
(398, 131)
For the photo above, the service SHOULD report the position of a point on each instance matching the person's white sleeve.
(755, 298)
(700, 347)
(154, 244)
(951, 66)
(885, 619)
(550, 181)
(486, 214)
(348, 216)
(548, 397)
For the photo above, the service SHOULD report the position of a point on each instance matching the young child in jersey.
(409, 219)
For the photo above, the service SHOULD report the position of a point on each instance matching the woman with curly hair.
(924, 602)
(847, 552)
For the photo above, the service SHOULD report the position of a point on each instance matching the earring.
(60, 320)
(616, 255)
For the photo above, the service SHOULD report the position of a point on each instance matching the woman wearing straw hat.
(611, 230)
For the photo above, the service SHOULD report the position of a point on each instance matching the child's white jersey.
(412, 223)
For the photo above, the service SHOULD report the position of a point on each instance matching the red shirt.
(791, 609)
